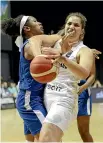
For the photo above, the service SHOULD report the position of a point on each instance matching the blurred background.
(52, 15)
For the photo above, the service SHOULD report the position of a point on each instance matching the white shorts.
(61, 106)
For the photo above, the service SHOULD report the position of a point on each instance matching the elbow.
(85, 75)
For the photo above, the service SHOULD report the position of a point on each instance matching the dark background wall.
(52, 14)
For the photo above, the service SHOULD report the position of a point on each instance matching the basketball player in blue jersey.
(30, 97)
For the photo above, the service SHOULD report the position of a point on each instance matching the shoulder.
(27, 45)
(27, 52)
(85, 50)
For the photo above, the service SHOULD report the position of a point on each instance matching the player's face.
(35, 27)
(74, 23)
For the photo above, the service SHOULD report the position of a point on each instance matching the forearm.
(37, 42)
(75, 68)
(89, 82)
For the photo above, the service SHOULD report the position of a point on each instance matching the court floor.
(12, 126)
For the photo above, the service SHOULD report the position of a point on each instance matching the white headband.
(19, 39)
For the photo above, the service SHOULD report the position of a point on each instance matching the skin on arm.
(90, 79)
(36, 42)
(83, 68)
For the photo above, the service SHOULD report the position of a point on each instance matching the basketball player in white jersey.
(84, 99)
(61, 96)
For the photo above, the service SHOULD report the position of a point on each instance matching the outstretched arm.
(36, 42)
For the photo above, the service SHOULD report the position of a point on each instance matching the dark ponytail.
(11, 26)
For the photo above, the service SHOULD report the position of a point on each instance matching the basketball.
(43, 70)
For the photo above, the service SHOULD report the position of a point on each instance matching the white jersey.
(65, 78)
(62, 91)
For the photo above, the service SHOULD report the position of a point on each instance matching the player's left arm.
(83, 68)
(90, 79)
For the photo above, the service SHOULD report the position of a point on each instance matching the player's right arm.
(36, 43)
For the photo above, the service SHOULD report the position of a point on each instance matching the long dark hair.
(11, 26)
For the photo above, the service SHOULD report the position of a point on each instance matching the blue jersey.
(81, 82)
(29, 101)
(25, 78)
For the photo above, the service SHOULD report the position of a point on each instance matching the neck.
(67, 45)
(28, 36)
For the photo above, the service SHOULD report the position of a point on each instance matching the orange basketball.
(43, 70)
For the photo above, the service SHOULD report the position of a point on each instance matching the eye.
(35, 20)
(76, 25)
(69, 23)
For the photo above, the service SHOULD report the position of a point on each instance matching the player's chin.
(42, 32)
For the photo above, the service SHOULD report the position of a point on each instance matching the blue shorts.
(85, 104)
(31, 109)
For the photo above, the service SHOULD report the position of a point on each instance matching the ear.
(82, 32)
(26, 28)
